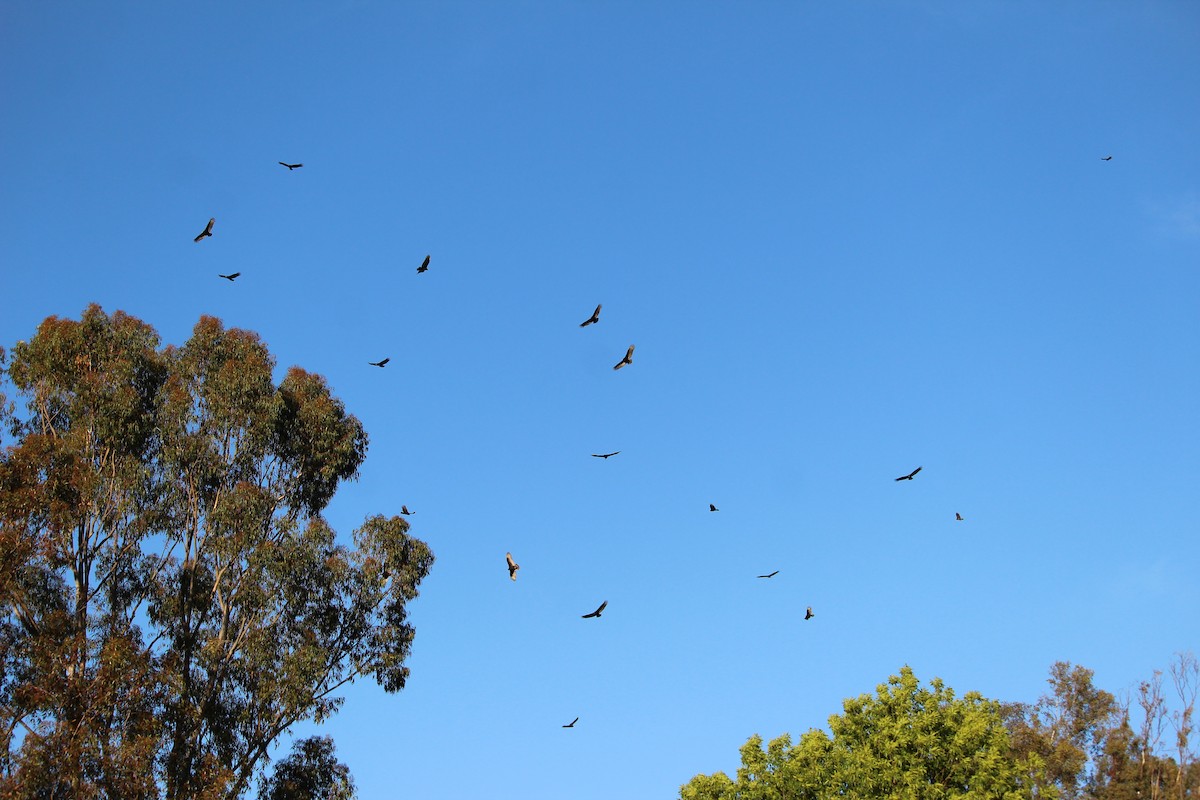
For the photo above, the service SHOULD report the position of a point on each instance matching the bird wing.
(603, 606)
(285, 165)
(386, 360)
(234, 275)
(512, 565)
(914, 472)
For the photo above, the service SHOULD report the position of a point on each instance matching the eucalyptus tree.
(173, 600)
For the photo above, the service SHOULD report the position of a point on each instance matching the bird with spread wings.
(597, 612)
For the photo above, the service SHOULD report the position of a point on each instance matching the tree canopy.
(173, 600)
(905, 741)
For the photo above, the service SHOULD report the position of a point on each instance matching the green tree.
(172, 599)
(1066, 731)
(905, 741)
(311, 772)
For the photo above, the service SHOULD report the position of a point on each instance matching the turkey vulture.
(809, 614)
(572, 725)
(909, 476)
(230, 278)
(772, 575)
(711, 507)
(512, 566)
(596, 613)
(628, 359)
(207, 230)
(290, 166)
(595, 317)
(1107, 158)
(404, 510)
(380, 363)
(605, 455)
(957, 517)
(424, 266)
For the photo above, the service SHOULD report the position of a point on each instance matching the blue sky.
(847, 239)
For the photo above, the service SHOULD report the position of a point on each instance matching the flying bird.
(230, 278)
(957, 517)
(809, 614)
(909, 476)
(595, 317)
(772, 575)
(605, 455)
(1107, 158)
(572, 725)
(404, 510)
(596, 613)
(424, 266)
(290, 166)
(512, 566)
(207, 230)
(380, 363)
(628, 359)
(711, 507)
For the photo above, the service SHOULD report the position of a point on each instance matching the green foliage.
(905, 741)
(311, 772)
(172, 599)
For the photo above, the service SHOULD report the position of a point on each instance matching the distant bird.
(290, 166)
(572, 725)
(628, 359)
(957, 517)
(605, 455)
(380, 363)
(595, 317)
(512, 566)
(424, 266)
(1107, 158)
(404, 510)
(711, 507)
(809, 614)
(596, 613)
(207, 230)
(909, 476)
(772, 575)
(230, 278)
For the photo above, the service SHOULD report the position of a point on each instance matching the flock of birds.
(513, 566)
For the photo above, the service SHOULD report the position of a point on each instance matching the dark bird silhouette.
(957, 517)
(207, 230)
(512, 566)
(424, 266)
(1107, 158)
(572, 725)
(596, 613)
(711, 507)
(909, 476)
(404, 510)
(628, 359)
(605, 455)
(290, 166)
(809, 614)
(595, 317)
(380, 363)
(230, 278)
(772, 575)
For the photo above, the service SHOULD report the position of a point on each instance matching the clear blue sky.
(847, 239)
